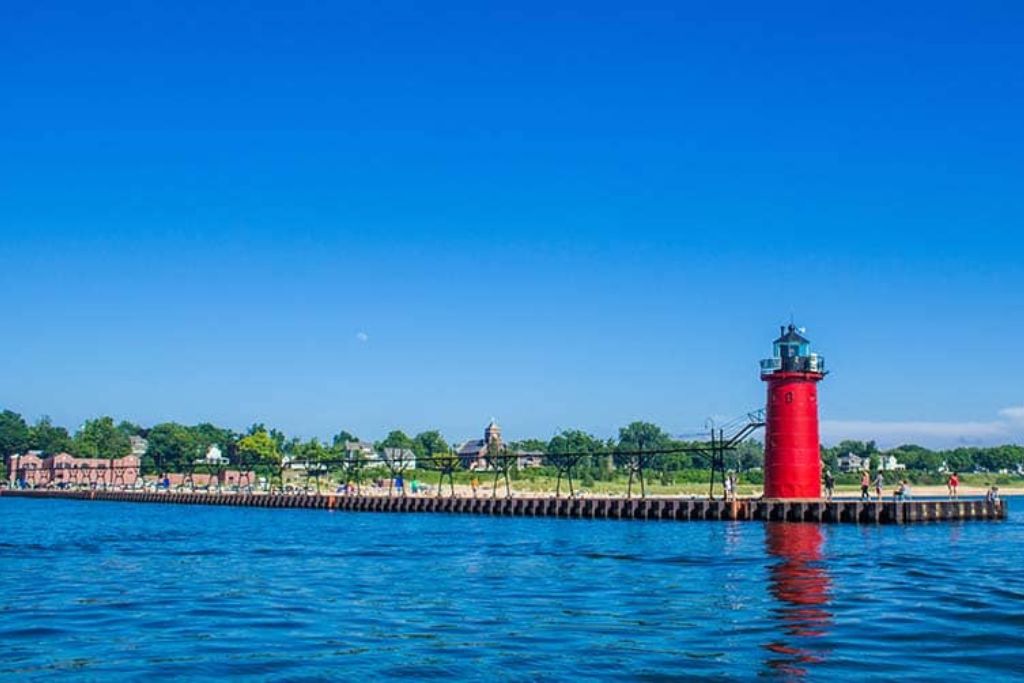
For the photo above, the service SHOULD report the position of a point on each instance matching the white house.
(213, 456)
(853, 463)
(399, 458)
(139, 445)
(363, 452)
(888, 463)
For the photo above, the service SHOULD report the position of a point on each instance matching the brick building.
(473, 453)
(63, 469)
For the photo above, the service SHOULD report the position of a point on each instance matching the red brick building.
(227, 478)
(34, 469)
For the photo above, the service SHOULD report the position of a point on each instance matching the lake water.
(113, 590)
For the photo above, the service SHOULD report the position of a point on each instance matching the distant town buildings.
(853, 463)
(399, 458)
(856, 463)
(473, 453)
(526, 460)
(363, 452)
(63, 469)
(36, 469)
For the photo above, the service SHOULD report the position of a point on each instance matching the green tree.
(100, 438)
(263, 450)
(573, 452)
(172, 448)
(14, 434)
(313, 453)
(830, 459)
(859, 448)
(532, 445)
(636, 439)
(427, 446)
(673, 462)
(573, 441)
(917, 458)
(284, 444)
(640, 437)
(395, 460)
(397, 439)
(959, 459)
(1006, 457)
(994, 458)
(206, 435)
(341, 438)
(47, 437)
(750, 455)
(130, 428)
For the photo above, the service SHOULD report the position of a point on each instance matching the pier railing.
(809, 363)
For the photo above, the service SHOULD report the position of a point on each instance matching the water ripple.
(115, 591)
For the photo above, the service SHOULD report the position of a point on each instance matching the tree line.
(1006, 458)
(99, 438)
(176, 447)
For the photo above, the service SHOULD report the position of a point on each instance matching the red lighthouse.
(792, 458)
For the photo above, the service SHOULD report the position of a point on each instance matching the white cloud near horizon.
(1009, 428)
(1013, 413)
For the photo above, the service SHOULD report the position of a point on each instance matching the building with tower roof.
(473, 453)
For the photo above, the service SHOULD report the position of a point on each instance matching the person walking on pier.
(865, 485)
(953, 485)
(729, 485)
(830, 485)
(879, 483)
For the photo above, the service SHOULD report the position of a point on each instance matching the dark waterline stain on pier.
(208, 591)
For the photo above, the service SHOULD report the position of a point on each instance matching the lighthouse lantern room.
(792, 459)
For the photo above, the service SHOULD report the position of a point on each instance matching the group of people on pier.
(902, 492)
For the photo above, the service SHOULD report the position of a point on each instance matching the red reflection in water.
(802, 587)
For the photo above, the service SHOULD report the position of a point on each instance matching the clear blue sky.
(400, 214)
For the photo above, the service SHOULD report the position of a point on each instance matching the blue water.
(112, 590)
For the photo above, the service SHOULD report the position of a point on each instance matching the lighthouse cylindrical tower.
(792, 457)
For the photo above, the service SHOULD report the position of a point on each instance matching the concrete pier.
(655, 508)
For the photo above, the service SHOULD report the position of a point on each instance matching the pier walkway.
(651, 508)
